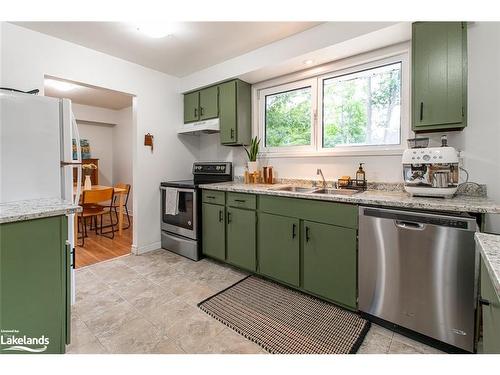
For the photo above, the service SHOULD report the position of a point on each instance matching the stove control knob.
(426, 157)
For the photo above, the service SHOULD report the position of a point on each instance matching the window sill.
(336, 153)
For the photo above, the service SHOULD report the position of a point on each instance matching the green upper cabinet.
(192, 107)
(439, 76)
(209, 103)
(279, 248)
(235, 113)
(241, 233)
(35, 282)
(214, 230)
(491, 314)
(329, 262)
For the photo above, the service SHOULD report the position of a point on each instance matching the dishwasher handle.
(409, 225)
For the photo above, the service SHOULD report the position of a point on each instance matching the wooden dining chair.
(94, 207)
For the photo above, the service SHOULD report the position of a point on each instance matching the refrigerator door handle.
(79, 160)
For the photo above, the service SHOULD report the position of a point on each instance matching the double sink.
(298, 189)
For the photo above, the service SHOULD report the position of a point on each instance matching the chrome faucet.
(320, 172)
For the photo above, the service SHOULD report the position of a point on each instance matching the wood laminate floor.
(98, 248)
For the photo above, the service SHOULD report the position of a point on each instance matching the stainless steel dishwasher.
(418, 270)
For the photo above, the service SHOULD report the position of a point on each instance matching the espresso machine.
(431, 171)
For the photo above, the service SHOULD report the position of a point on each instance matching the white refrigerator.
(36, 152)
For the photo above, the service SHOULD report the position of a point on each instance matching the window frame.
(274, 90)
(316, 77)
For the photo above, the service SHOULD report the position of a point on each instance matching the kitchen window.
(357, 110)
(289, 112)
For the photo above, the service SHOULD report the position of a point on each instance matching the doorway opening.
(105, 121)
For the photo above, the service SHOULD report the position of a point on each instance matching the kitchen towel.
(171, 201)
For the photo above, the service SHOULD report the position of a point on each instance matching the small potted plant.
(252, 152)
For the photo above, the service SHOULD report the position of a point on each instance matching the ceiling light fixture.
(308, 62)
(155, 29)
(60, 85)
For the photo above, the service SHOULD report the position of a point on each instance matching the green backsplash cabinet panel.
(491, 314)
(329, 262)
(34, 282)
(241, 241)
(235, 113)
(279, 248)
(439, 76)
(209, 103)
(214, 231)
(192, 107)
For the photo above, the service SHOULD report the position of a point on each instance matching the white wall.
(100, 139)
(27, 56)
(122, 149)
(98, 125)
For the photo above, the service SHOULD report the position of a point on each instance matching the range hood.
(194, 128)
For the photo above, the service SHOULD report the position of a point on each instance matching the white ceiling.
(192, 47)
(90, 95)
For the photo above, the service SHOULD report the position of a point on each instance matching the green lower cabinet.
(214, 231)
(34, 286)
(279, 248)
(241, 241)
(491, 314)
(329, 262)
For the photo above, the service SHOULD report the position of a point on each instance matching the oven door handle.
(179, 190)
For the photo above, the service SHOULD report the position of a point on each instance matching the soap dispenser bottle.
(360, 175)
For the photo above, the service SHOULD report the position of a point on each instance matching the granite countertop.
(35, 209)
(459, 203)
(489, 246)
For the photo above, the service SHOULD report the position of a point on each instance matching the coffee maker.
(431, 171)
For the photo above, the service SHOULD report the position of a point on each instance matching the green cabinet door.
(491, 314)
(439, 75)
(279, 248)
(241, 238)
(329, 262)
(34, 283)
(227, 114)
(191, 107)
(209, 103)
(213, 231)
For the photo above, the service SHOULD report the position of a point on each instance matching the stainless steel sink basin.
(336, 191)
(295, 189)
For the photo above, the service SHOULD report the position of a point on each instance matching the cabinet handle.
(484, 302)
(307, 234)
(232, 133)
(196, 112)
(293, 231)
(228, 217)
(421, 111)
(210, 197)
(240, 200)
(221, 217)
(201, 111)
(74, 259)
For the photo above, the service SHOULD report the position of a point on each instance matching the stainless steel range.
(181, 232)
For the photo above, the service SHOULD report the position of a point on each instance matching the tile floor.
(147, 304)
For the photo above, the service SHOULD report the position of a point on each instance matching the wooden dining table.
(118, 191)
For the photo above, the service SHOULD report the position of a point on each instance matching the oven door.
(185, 222)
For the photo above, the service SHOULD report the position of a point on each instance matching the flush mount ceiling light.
(155, 29)
(60, 85)
(308, 62)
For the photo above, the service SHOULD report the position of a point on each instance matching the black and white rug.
(286, 321)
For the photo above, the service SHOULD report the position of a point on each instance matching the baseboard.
(147, 248)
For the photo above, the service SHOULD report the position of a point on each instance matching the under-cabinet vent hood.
(194, 128)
